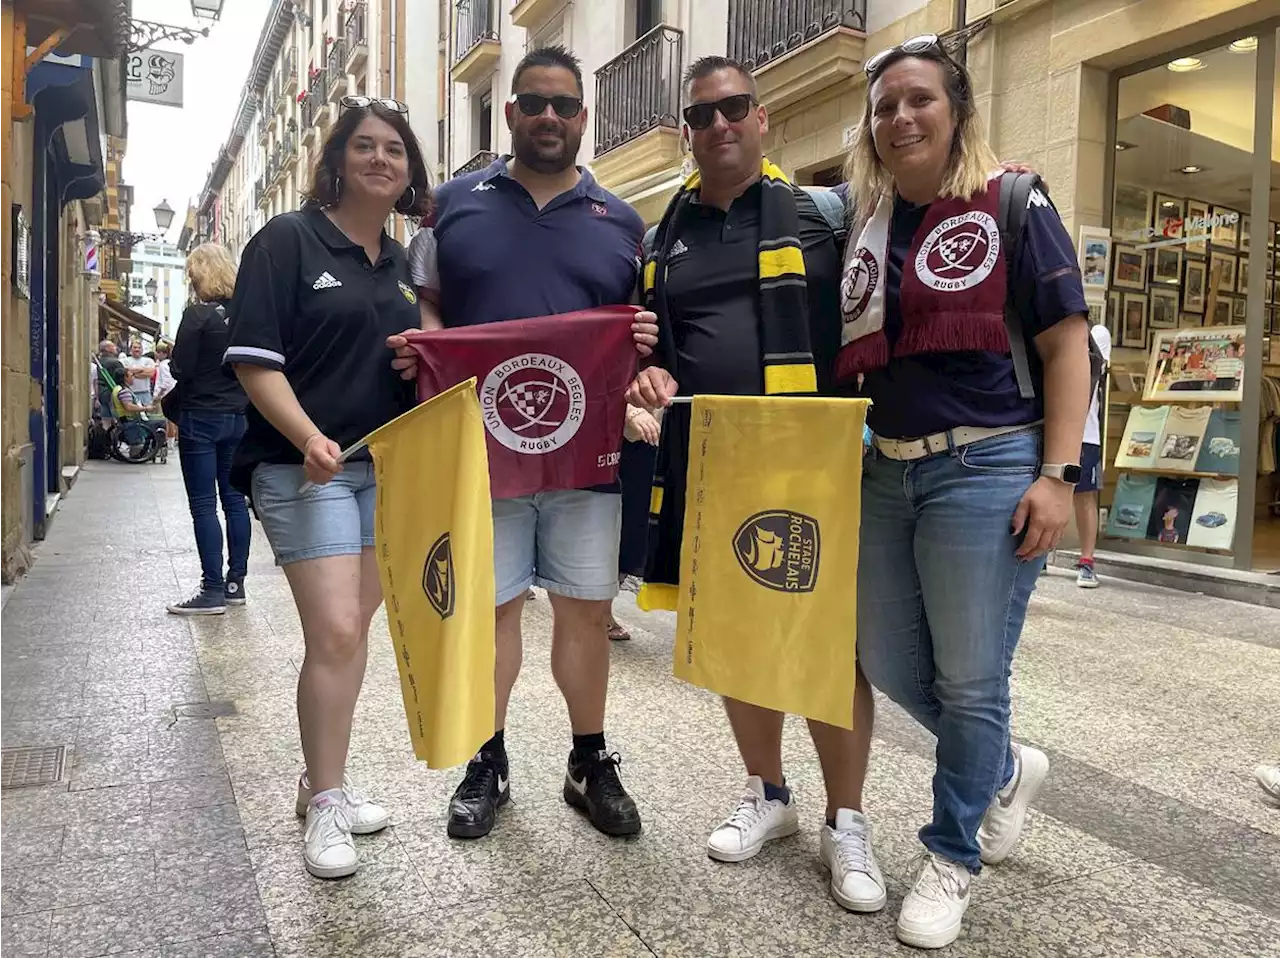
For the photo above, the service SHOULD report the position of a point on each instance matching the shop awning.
(103, 24)
(116, 314)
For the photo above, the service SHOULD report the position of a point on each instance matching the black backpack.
(1017, 192)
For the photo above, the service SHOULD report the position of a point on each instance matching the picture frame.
(1244, 234)
(1195, 280)
(1269, 317)
(1196, 365)
(1226, 227)
(1240, 310)
(1162, 309)
(1223, 267)
(1113, 314)
(1097, 312)
(1133, 326)
(1170, 216)
(1266, 350)
(1197, 224)
(1189, 320)
(1271, 260)
(1131, 213)
(1242, 275)
(1166, 265)
(1095, 258)
(1129, 267)
(1221, 312)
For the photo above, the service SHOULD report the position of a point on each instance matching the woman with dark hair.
(319, 292)
(969, 480)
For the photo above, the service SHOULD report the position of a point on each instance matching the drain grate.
(25, 767)
(205, 710)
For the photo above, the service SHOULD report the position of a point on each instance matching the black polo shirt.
(309, 303)
(713, 294)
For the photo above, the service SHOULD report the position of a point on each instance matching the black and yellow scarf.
(786, 358)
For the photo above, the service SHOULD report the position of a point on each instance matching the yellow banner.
(435, 556)
(769, 560)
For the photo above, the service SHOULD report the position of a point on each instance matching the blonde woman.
(210, 421)
(969, 481)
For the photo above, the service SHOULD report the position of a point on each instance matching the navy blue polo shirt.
(919, 395)
(492, 255)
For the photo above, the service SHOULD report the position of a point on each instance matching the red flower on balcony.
(312, 72)
(301, 97)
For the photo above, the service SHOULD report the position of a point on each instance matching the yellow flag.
(435, 557)
(769, 557)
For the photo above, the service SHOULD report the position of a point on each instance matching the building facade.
(165, 265)
(63, 115)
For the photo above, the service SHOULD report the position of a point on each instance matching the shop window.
(1171, 280)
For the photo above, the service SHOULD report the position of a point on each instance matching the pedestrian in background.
(140, 369)
(164, 386)
(207, 404)
(968, 483)
(319, 292)
(1086, 499)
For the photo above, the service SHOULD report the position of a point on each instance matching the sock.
(330, 796)
(496, 746)
(777, 793)
(585, 746)
(1084, 561)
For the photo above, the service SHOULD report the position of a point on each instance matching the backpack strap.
(646, 244)
(1015, 194)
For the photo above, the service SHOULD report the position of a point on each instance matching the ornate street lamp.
(150, 288)
(164, 216)
(206, 9)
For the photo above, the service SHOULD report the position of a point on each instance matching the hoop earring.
(337, 189)
(413, 198)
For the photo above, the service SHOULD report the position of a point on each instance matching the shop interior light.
(1243, 45)
(1186, 64)
(1190, 169)
(1122, 145)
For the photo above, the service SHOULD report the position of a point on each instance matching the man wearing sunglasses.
(724, 328)
(533, 235)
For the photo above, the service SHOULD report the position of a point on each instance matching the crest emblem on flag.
(533, 403)
(779, 550)
(437, 577)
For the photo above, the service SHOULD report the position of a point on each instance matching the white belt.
(939, 442)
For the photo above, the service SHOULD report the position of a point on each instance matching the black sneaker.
(475, 803)
(235, 592)
(204, 602)
(592, 785)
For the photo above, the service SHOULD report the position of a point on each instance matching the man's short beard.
(529, 157)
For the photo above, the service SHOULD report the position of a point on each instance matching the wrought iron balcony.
(475, 20)
(762, 32)
(289, 74)
(639, 90)
(355, 33)
(337, 67)
(477, 162)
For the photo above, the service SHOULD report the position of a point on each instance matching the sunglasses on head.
(699, 116)
(535, 104)
(925, 43)
(361, 102)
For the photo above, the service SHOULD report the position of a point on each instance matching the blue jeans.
(941, 601)
(207, 442)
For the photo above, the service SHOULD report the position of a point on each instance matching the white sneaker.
(1268, 777)
(934, 908)
(365, 817)
(328, 850)
(755, 821)
(1002, 824)
(856, 882)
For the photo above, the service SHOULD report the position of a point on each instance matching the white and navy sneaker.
(856, 881)
(363, 816)
(234, 590)
(1006, 815)
(328, 851)
(1086, 577)
(933, 910)
(1268, 778)
(204, 602)
(755, 821)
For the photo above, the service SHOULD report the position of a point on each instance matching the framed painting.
(1130, 268)
(1189, 319)
(1242, 275)
(1197, 227)
(1194, 285)
(1166, 265)
(1222, 272)
(1171, 214)
(1133, 330)
(1221, 311)
(1163, 309)
(1244, 234)
(1225, 227)
(1113, 315)
(1197, 365)
(1095, 258)
(1239, 310)
(1131, 213)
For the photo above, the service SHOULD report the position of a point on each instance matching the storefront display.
(1213, 518)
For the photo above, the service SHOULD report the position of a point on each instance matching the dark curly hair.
(325, 187)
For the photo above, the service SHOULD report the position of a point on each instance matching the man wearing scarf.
(744, 275)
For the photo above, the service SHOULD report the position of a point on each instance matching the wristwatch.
(1068, 472)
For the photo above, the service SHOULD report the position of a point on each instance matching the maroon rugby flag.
(552, 393)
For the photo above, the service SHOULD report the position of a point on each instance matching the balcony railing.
(337, 66)
(761, 32)
(355, 33)
(477, 162)
(639, 90)
(440, 141)
(475, 21)
(288, 68)
(288, 146)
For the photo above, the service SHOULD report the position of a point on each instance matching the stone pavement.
(176, 837)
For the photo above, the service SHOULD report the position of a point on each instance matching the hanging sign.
(155, 76)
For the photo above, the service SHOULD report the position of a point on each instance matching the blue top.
(497, 256)
(919, 395)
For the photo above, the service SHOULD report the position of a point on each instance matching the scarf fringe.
(866, 352)
(952, 333)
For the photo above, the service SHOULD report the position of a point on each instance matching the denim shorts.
(335, 519)
(1090, 468)
(566, 541)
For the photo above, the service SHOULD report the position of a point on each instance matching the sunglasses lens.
(531, 104)
(700, 115)
(917, 44)
(566, 107)
(735, 108)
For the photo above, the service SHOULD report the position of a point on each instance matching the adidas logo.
(678, 247)
(326, 281)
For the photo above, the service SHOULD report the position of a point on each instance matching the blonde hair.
(212, 272)
(969, 166)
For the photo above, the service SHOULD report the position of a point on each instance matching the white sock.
(330, 796)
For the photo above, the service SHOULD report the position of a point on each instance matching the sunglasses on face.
(535, 104)
(699, 116)
(361, 102)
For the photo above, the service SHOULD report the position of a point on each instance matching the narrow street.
(171, 834)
